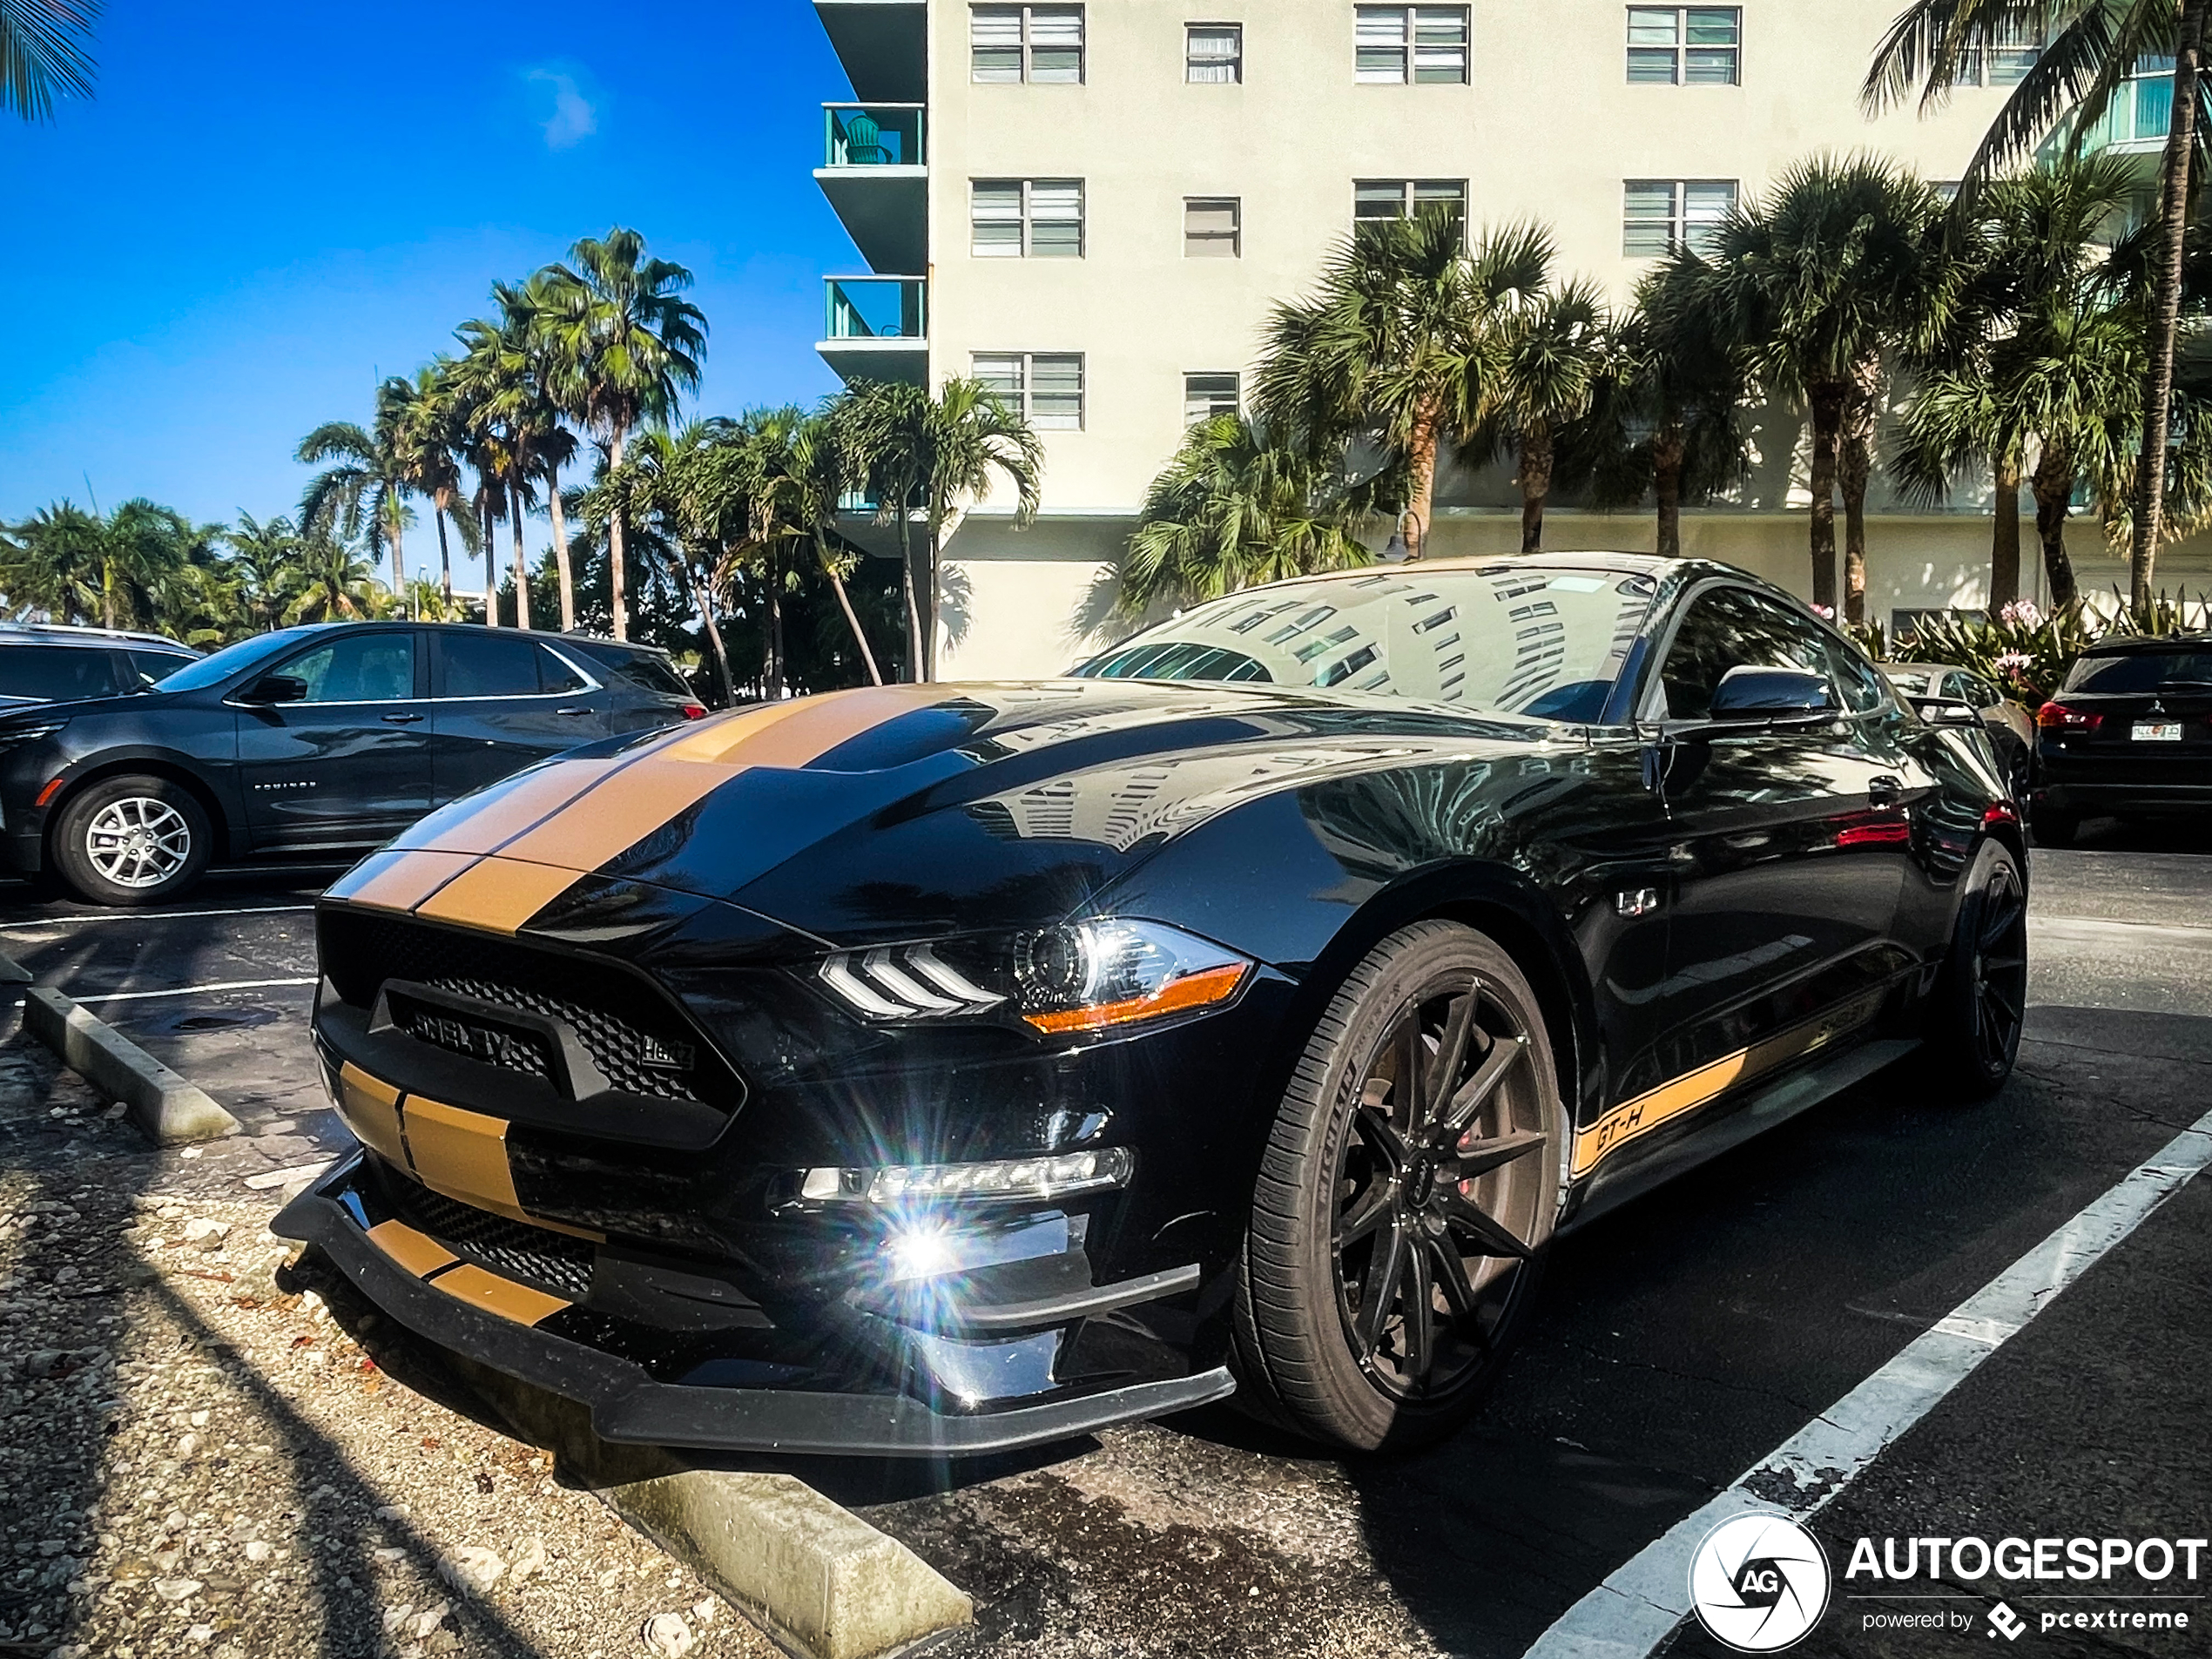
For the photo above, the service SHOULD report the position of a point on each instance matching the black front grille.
(640, 1044)
(549, 1260)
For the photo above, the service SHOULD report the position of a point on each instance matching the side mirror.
(275, 688)
(1748, 695)
(1944, 710)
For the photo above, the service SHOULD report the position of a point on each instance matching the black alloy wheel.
(1980, 1003)
(1409, 1189)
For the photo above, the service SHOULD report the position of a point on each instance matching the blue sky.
(267, 207)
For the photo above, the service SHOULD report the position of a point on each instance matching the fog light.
(1053, 1175)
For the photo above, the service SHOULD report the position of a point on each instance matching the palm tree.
(1395, 343)
(430, 443)
(690, 490)
(2090, 48)
(1666, 411)
(626, 347)
(53, 563)
(821, 470)
(146, 548)
(366, 490)
(509, 405)
(1551, 346)
(263, 555)
(334, 584)
(1812, 283)
(1233, 508)
(44, 54)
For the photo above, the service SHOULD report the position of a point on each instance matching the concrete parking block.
(820, 1580)
(166, 1109)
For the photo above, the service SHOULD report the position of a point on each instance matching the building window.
(1207, 395)
(1013, 44)
(1045, 388)
(2007, 62)
(1685, 45)
(1033, 218)
(1396, 44)
(1213, 228)
(1374, 200)
(1662, 214)
(1213, 53)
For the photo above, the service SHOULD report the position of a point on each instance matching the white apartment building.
(1095, 205)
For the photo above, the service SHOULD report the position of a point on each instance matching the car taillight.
(695, 710)
(2056, 717)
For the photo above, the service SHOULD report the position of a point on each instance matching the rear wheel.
(1409, 1186)
(132, 841)
(1980, 1000)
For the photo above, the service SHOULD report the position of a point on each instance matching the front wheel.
(1409, 1187)
(1980, 1000)
(132, 841)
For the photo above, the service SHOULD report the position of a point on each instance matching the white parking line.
(193, 990)
(149, 915)
(1637, 1607)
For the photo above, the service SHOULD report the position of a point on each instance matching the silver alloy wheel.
(139, 841)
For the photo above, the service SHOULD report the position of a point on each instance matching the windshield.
(232, 659)
(1545, 643)
(2141, 671)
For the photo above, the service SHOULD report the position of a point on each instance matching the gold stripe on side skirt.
(472, 1285)
(419, 1253)
(1648, 1112)
(370, 1107)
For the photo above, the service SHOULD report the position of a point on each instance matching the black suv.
(49, 663)
(2130, 732)
(309, 741)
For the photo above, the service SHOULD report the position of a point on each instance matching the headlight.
(1091, 976)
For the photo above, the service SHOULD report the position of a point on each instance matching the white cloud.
(574, 118)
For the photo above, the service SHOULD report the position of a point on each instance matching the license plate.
(2157, 732)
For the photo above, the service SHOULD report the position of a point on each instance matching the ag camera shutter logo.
(1759, 1582)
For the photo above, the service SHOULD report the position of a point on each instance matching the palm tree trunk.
(704, 600)
(1854, 464)
(1535, 482)
(936, 523)
(398, 559)
(2052, 484)
(2166, 304)
(775, 626)
(1667, 454)
(486, 516)
(522, 565)
(1827, 420)
(614, 543)
(845, 603)
(907, 575)
(560, 546)
(1421, 503)
(2004, 535)
(445, 558)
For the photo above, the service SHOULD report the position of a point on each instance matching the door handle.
(1885, 791)
(401, 718)
(572, 711)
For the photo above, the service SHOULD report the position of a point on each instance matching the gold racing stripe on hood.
(398, 880)
(497, 895)
(506, 810)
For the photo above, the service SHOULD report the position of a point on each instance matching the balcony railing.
(872, 307)
(873, 135)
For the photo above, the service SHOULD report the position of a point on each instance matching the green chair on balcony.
(863, 142)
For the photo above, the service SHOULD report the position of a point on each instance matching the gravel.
(201, 1459)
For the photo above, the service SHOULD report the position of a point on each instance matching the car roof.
(2135, 644)
(1927, 668)
(551, 638)
(70, 633)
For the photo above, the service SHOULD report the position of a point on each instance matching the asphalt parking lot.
(1683, 1339)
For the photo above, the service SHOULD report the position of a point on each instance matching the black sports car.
(937, 1068)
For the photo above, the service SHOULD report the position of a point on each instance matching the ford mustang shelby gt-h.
(935, 1069)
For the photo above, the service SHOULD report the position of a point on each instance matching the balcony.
(874, 176)
(878, 328)
(2134, 122)
(884, 45)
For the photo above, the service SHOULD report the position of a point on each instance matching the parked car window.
(639, 668)
(1547, 643)
(152, 667)
(56, 672)
(489, 664)
(2141, 671)
(555, 675)
(1859, 682)
(1729, 627)
(232, 659)
(361, 668)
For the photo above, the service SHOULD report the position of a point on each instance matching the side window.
(1859, 683)
(1726, 628)
(487, 664)
(362, 668)
(149, 667)
(555, 676)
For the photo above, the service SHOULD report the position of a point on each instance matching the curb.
(819, 1581)
(167, 1109)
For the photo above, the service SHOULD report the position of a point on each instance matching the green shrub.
(2027, 650)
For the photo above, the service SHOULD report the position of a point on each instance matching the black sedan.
(2129, 733)
(306, 742)
(936, 1068)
